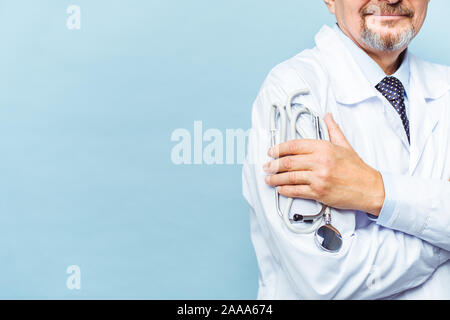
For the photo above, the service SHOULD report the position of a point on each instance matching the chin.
(388, 40)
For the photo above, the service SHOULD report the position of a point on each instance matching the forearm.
(419, 207)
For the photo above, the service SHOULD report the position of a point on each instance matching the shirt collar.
(371, 70)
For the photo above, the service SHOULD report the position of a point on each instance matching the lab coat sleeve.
(374, 262)
(419, 207)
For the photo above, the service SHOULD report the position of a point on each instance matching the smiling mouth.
(388, 16)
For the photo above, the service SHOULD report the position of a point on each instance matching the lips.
(388, 15)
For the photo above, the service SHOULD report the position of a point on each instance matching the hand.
(330, 172)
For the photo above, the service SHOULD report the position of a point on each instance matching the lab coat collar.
(371, 70)
(352, 86)
(346, 77)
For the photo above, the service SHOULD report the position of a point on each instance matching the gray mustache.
(385, 9)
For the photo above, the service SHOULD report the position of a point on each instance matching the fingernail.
(266, 167)
(267, 179)
(270, 152)
(279, 189)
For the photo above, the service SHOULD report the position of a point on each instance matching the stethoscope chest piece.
(327, 237)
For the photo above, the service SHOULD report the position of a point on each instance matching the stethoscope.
(327, 237)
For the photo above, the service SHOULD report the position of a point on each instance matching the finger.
(297, 191)
(290, 163)
(293, 147)
(336, 135)
(289, 178)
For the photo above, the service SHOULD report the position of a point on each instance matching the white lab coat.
(407, 257)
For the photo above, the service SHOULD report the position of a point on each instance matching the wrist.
(376, 194)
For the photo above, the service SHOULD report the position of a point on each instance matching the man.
(384, 171)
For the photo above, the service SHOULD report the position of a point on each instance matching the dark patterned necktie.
(392, 89)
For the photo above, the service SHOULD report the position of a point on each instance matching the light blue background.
(85, 123)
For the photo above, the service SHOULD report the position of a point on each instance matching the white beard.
(376, 42)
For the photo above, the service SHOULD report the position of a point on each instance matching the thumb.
(337, 137)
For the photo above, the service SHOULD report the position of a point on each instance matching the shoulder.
(435, 78)
(303, 70)
(430, 67)
(300, 72)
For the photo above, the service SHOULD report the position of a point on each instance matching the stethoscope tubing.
(286, 114)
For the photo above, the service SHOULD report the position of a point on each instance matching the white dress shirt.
(403, 255)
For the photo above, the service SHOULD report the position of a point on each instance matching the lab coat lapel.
(425, 108)
(395, 122)
(421, 124)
